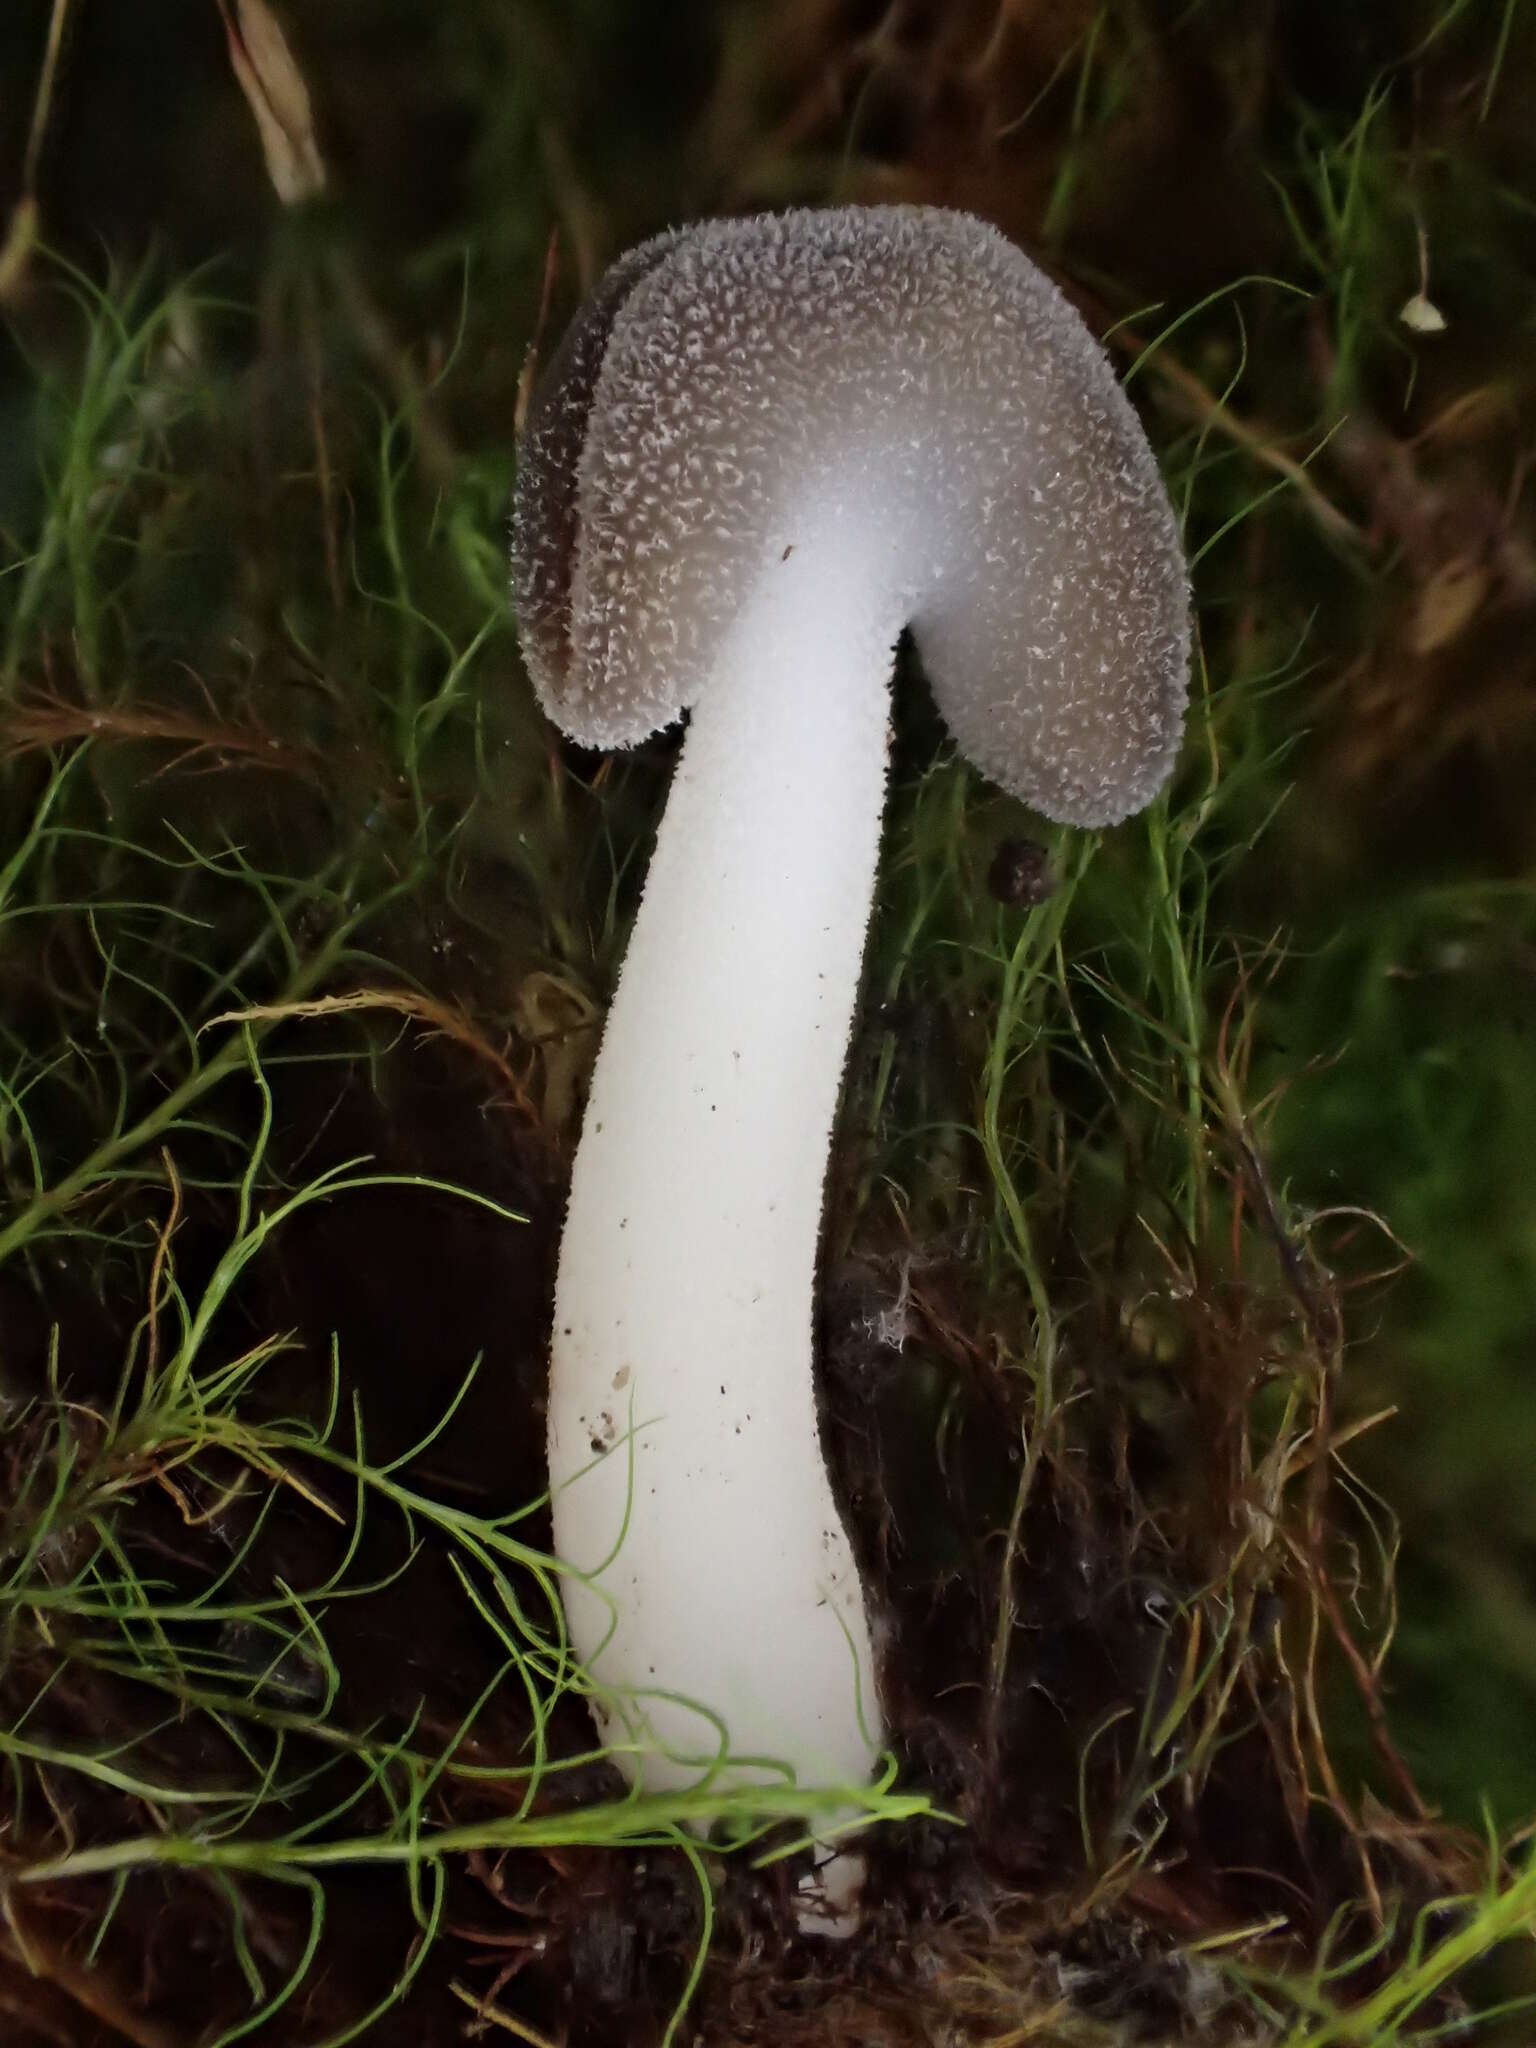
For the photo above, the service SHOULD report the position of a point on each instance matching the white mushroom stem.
(687, 1268)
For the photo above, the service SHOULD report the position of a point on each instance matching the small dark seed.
(1021, 872)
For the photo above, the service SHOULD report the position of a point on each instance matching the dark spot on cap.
(544, 505)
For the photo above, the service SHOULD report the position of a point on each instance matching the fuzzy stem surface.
(723, 1603)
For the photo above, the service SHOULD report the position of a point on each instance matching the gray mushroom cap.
(900, 384)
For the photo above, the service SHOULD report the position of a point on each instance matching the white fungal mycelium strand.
(768, 447)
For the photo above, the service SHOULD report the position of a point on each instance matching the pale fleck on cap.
(902, 375)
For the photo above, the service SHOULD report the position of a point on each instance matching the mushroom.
(764, 449)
